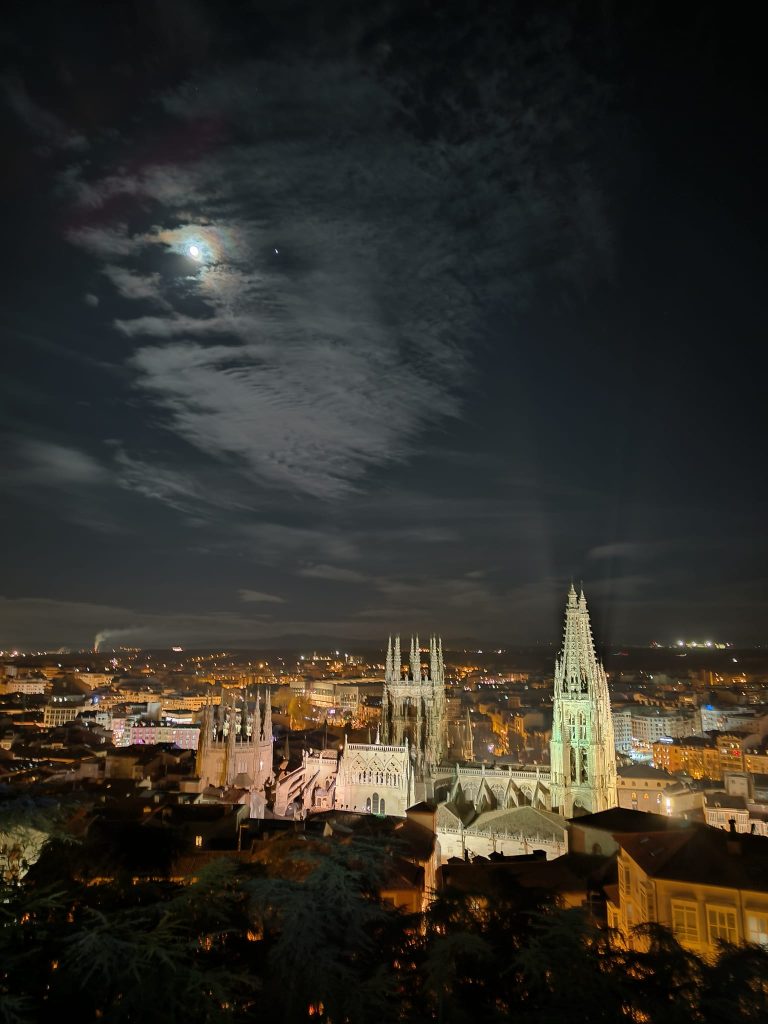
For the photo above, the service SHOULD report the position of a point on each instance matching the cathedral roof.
(453, 815)
(527, 820)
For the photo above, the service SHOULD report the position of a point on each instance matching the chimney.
(732, 844)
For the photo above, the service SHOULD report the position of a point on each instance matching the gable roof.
(528, 820)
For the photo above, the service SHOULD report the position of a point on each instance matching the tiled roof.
(704, 855)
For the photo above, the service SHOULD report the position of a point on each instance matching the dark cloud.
(40, 122)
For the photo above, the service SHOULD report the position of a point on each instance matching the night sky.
(337, 318)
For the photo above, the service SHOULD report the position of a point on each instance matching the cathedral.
(481, 808)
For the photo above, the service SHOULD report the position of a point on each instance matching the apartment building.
(707, 886)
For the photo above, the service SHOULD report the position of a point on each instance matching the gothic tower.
(582, 750)
(413, 706)
(235, 746)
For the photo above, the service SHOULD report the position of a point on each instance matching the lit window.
(721, 924)
(757, 929)
(685, 921)
(198, 840)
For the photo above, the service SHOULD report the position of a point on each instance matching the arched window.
(368, 805)
(375, 803)
(381, 807)
(573, 764)
(584, 772)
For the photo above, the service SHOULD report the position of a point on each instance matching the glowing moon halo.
(194, 252)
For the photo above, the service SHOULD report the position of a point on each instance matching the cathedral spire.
(397, 669)
(389, 663)
(416, 659)
(583, 755)
(267, 717)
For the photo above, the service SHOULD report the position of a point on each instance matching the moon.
(194, 252)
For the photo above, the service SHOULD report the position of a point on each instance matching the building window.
(375, 803)
(625, 876)
(721, 924)
(368, 805)
(685, 921)
(757, 929)
(381, 807)
(647, 902)
(198, 841)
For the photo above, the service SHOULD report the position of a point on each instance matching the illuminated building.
(62, 710)
(697, 756)
(706, 885)
(375, 777)
(235, 747)
(411, 759)
(413, 708)
(583, 754)
(701, 757)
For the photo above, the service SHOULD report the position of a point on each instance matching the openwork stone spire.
(582, 750)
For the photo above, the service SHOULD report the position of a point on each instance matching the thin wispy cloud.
(337, 280)
(40, 122)
(52, 465)
(334, 573)
(259, 597)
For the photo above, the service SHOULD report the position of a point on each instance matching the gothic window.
(375, 803)
(368, 805)
(381, 807)
(573, 764)
(583, 684)
(584, 772)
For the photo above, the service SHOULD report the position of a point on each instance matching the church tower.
(582, 750)
(235, 746)
(413, 708)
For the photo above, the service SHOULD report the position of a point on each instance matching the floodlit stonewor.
(481, 808)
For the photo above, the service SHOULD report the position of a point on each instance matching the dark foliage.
(301, 934)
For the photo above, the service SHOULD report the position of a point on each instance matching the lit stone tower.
(235, 747)
(413, 706)
(582, 751)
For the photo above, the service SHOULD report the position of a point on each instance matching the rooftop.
(699, 854)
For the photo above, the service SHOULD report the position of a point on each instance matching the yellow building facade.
(707, 886)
